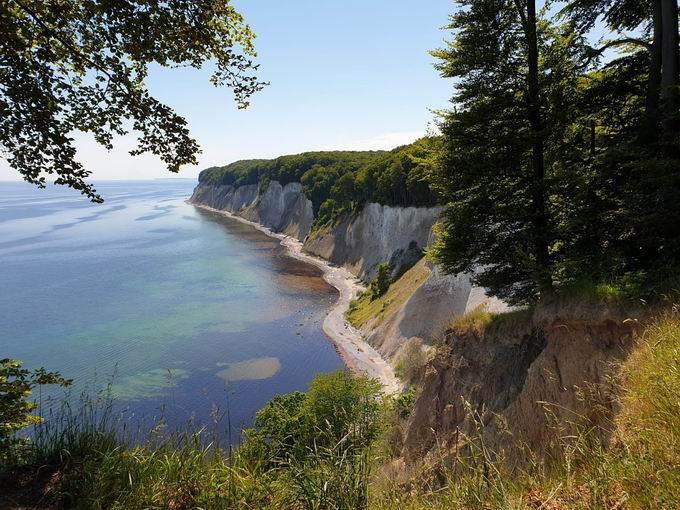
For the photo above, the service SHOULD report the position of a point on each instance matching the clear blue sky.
(354, 74)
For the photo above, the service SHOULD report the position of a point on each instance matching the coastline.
(358, 355)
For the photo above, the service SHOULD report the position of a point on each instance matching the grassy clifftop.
(375, 309)
(331, 448)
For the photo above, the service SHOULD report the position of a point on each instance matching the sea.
(172, 312)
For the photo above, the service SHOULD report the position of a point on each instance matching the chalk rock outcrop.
(377, 234)
(436, 299)
(225, 198)
(283, 209)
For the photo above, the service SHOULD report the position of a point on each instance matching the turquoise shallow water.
(185, 309)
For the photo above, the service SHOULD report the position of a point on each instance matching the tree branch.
(71, 48)
(618, 42)
(626, 40)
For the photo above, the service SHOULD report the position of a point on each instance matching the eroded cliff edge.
(513, 375)
(523, 380)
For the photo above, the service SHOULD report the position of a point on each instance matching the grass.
(638, 468)
(480, 321)
(475, 321)
(366, 309)
(410, 361)
(645, 458)
(316, 454)
(658, 287)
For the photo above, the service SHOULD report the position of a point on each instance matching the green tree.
(81, 65)
(345, 191)
(327, 212)
(317, 183)
(495, 177)
(339, 409)
(16, 386)
(624, 221)
(558, 167)
(657, 22)
(381, 283)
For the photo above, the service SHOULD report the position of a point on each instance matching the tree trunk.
(541, 239)
(652, 112)
(670, 65)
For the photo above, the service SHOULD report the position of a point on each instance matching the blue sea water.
(181, 310)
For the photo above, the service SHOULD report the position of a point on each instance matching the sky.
(343, 75)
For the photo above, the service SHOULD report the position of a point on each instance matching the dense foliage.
(16, 386)
(339, 181)
(338, 407)
(560, 166)
(81, 65)
(312, 450)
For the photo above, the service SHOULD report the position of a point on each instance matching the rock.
(283, 209)
(377, 234)
(511, 374)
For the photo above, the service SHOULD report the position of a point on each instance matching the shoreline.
(358, 355)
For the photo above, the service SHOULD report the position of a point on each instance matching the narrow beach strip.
(358, 355)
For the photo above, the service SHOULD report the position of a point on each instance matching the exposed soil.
(29, 488)
(521, 381)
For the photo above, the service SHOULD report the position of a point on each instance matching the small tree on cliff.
(381, 283)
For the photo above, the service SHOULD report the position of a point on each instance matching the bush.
(339, 408)
(16, 386)
(381, 283)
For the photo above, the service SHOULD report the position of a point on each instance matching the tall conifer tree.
(496, 173)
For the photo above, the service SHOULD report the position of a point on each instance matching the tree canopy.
(559, 166)
(340, 181)
(81, 65)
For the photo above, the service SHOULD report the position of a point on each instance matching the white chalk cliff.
(361, 242)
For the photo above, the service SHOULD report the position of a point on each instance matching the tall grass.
(103, 462)
(632, 462)
(332, 443)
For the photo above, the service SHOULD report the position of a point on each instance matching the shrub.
(381, 283)
(16, 386)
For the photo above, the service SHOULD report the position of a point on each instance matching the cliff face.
(225, 198)
(379, 233)
(435, 299)
(360, 243)
(511, 374)
(283, 209)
